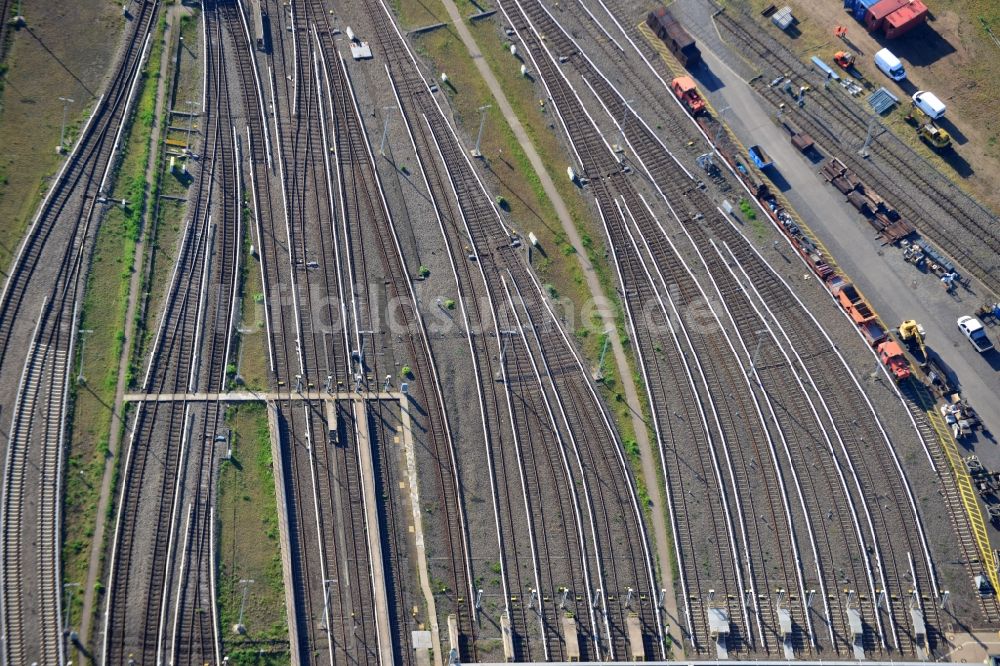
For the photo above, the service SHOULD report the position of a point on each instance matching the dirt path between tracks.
(96, 568)
(648, 457)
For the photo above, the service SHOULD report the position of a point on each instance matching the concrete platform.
(374, 534)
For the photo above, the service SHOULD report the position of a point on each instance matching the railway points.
(451, 482)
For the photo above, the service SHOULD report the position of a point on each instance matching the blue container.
(859, 7)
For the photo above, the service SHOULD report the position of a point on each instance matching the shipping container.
(783, 18)
(877, 13)
(261, 26)
(904, 19)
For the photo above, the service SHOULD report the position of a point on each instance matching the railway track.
(496, 250)
(278, 245)
(133, 613)
(333, 597)
(368, 207)
(194, 633)
(315, 249)
(319, 99)
(905, 561)
(826, 374)
(162, 569)
(519, 533)
(303, 532)
(32, 487)
(385, 426)
(333, 570)
(271, 250)
(971, 237)
(628, 590)
(840, 544)
(31, 524)
(329, 515)
(934, 453)
(532, 432)
(750, 479)
(539, 463)
(789, 399)
(543, 22)
(5, 18)
(919, 401)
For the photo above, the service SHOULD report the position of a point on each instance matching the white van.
(890, 65)
(929, 103)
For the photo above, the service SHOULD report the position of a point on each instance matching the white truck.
(973, 329)
(929, 103)
(890, 65)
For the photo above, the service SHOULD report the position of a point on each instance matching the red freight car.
(677, 39)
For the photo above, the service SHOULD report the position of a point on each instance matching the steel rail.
(729, 442)
(477, 359)
(559, 438)
(602, 416)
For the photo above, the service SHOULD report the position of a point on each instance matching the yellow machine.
(913, 334)
(927, 129)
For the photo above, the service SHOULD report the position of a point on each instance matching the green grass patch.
(249, 547)
(252, 365)
(31, 114)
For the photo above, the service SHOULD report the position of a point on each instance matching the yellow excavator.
(913, 334)
(934, 136)
(935, 375)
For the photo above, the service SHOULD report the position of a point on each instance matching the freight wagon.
(677, 39)
(261, 26)
(759, 157)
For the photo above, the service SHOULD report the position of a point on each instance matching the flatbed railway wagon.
(673, 34)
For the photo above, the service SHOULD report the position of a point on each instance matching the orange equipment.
(686, 91)
(844, 58)
(891, 355)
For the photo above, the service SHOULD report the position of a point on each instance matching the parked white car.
(973, 329)
(890, 65)
(929, 103)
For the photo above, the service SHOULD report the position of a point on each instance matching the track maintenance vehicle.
(686, 91)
